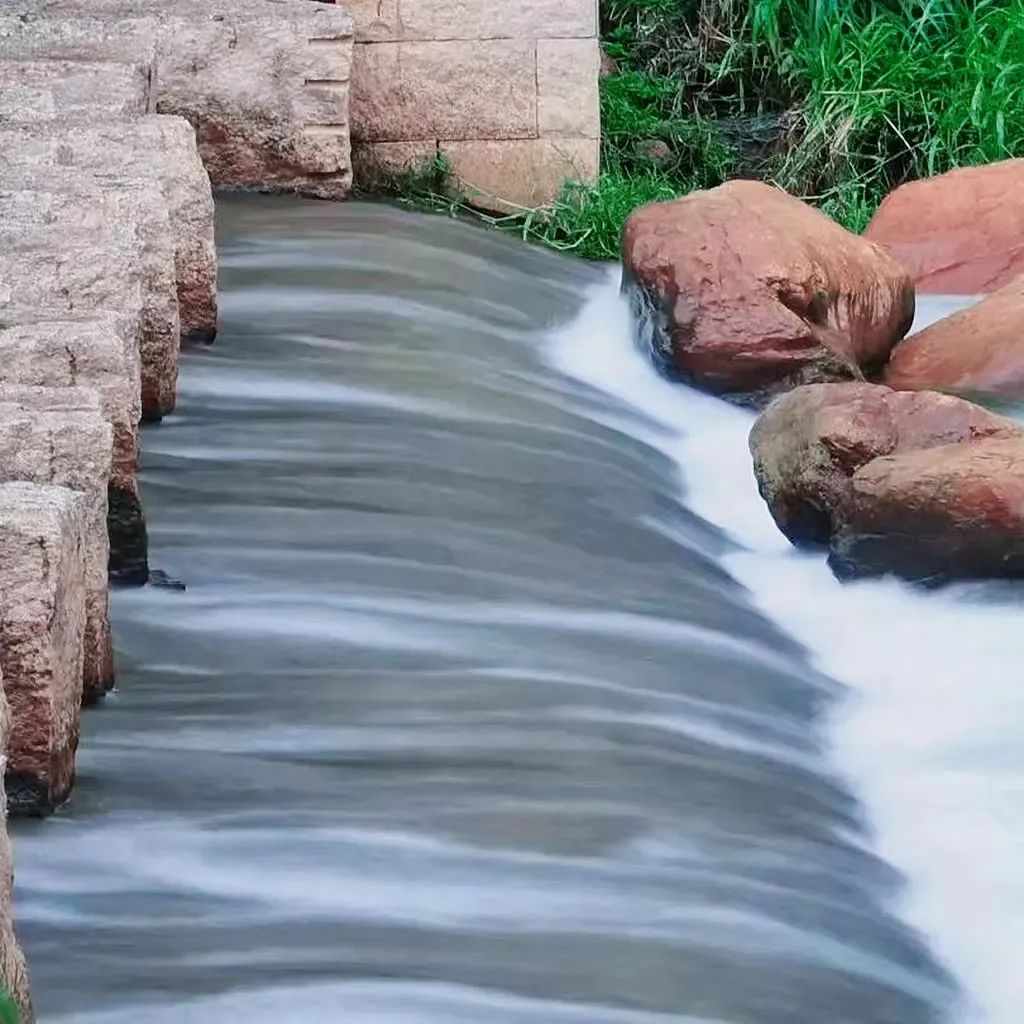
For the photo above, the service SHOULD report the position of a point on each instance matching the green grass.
(8, 1008)
(837, 101)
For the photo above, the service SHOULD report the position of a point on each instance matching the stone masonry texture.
(507, 92)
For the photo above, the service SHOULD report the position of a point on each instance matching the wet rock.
(808, 444)
(135, 213)
(656, 152)
(42, 610)
(98, 353)
(979, 350)
(960, 233)
(13, 974)
(47, 90)
(265, 84)
(747, 292)
(60, 436)
(936, 515)
(156, 147)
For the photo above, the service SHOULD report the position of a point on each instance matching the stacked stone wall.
(506, 92)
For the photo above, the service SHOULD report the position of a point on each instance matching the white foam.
(930, 732)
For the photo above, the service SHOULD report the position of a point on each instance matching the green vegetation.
(836, 101)
(8, 1008)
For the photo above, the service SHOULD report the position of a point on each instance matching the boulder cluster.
(117, 117)
(870, 444)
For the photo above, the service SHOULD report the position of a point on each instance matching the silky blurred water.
(461, 719)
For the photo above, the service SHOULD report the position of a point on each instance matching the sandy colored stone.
(936, 515)
(25, 33)
(479, 19)
(13, 973)
(130, 210)
(264, 83)
(160, 147)
(510, 175)
(747, 292)
(568, 102)
(979, 350)
(60, 436)
(376, 20)
(42, 611)
(809, 443)
(444, 90)
(75, 270)
(377, 163)
(36, 90)
(98, 353)
(960, 233)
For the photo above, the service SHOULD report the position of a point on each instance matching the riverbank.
(836, 102)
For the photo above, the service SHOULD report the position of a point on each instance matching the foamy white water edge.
(929, 732)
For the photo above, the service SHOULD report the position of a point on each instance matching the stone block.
(491, 19)
(264, 83)
(378, 163)
(74, 270)
(568, 102)
(444, 90)
(163, 148)
(508, 176)
(98, 352)
(42, 611)
(47, 90)
(13, 974)
(60, 436)
(134, 211)
(376, 20)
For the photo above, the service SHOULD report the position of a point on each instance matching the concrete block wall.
(507, 90)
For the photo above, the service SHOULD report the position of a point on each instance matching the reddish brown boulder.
(960, 233)
(747, 292)
(808, 445)
(955, 512)
(979, 350)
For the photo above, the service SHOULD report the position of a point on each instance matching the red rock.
(979, 350)
(955, 512)
(747, 292)
(809, 444)
(960, 233)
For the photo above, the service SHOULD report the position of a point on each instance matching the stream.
(495, 697)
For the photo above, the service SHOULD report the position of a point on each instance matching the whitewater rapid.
(928, 732)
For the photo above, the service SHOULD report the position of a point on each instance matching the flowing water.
(464, 717)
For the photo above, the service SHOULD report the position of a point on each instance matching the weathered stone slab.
(567, 87)
(45, 90)
(157, 147)
(523, 173)
(98, 353)
(75, 270)
(42, 608)
(392, 20)
(127, 209)
(60, 436)
(444, 90)
(264, 83)
(13, 974)
(378, 163)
